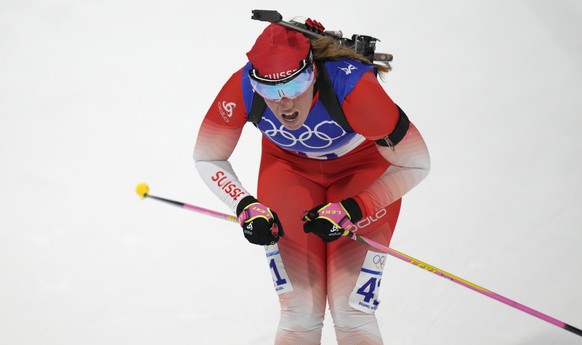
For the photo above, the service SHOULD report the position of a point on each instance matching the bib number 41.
(368, 291)
(280, 279)
(364, 296)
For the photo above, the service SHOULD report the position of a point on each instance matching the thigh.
(287, 189)
(289, 193)
(355, 269)
(354, 174)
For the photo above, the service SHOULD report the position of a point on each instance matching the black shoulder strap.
(328, 97)
(331, 103)
(257, 109)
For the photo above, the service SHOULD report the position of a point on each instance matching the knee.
(348, 318)
(353, 326)
(300, 313)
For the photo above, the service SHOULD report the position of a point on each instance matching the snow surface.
(97, 96)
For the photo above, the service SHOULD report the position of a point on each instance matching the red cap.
(278, 52)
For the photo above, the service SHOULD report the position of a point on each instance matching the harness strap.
(328, 97)
(399, 131)
(257, 109)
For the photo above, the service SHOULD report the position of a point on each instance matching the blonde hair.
(326, 49)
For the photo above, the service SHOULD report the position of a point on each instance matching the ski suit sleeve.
(372, 113)
(217, 138)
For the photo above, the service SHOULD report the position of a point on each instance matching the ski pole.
(143, 191)
(461, 281)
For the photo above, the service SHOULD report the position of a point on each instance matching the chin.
(292, 125)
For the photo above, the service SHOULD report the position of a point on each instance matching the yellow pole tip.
(142, 189)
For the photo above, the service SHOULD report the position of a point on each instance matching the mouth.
(290, 117)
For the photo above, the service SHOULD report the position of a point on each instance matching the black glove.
(260, 224)
(329, 221)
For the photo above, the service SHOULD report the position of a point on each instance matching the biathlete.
(316, 178)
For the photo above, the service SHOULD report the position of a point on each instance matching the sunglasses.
(291, 86)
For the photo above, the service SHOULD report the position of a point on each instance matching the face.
(292, 112)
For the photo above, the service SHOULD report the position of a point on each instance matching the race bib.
(364, 297)
(280, 279)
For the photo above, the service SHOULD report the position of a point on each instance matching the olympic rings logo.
(379, 261)
(316, 138)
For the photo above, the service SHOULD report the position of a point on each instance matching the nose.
(286, 103)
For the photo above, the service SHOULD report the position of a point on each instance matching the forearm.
(410, 164)
(220, 177)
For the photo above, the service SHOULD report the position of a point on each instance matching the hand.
(329, 221)
(260, 224)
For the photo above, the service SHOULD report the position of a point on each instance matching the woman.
(316, 178)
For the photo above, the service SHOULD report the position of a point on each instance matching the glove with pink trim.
(328, 221)
(260, 224)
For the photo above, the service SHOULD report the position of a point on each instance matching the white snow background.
(97, 96)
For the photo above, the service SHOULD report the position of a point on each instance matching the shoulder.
(235, 81)
(228, 108)
(232, 88)
(347, 70)
(369, 109)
